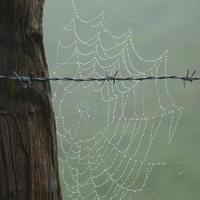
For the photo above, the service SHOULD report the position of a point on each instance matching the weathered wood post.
(28, 146)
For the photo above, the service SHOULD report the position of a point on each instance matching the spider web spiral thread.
(109, 134)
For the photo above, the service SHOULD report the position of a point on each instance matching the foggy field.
(128, 140)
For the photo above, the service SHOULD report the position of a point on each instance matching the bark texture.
(28, 146)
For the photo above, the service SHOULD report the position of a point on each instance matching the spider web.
(110, 136)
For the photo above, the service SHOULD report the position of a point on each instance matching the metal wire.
(26, 81)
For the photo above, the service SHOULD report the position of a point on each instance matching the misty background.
(157, 25)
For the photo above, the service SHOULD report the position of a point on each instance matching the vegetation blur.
(157, 26)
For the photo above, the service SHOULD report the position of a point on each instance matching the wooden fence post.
(28, 146)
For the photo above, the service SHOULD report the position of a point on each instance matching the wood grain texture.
(28, 146)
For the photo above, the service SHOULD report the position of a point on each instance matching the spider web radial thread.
(109, 135)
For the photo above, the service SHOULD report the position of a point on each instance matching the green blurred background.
(157, 25)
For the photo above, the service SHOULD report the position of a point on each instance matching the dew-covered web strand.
(112, 162)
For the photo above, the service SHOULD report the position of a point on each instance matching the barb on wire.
(26, 81)
(110, 78)
(189, 77)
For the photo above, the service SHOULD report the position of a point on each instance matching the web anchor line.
(26, 81)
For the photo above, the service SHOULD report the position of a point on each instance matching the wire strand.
(27, 81)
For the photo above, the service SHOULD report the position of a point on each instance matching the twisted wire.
(26, 81)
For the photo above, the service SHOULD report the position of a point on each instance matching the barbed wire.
(26, 81)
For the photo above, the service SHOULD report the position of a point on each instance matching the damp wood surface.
(28, 146)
